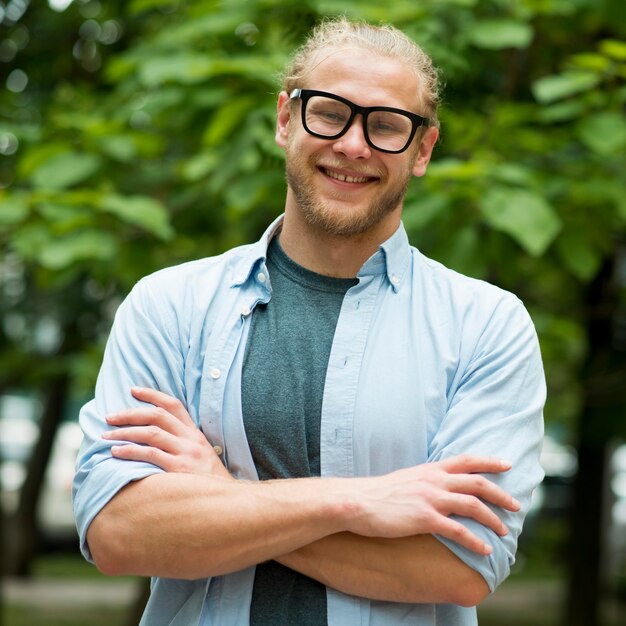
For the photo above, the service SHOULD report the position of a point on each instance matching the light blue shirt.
(425, 364)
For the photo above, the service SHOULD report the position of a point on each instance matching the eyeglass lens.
(386, 130)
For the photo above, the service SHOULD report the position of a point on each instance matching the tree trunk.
(586, 548)
(22, 532)
(2, 557)
(604, 405)
(139, 604)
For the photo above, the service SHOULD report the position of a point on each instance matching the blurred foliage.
(140, 134)
(27, 615)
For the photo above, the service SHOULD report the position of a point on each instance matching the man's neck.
(338, 256)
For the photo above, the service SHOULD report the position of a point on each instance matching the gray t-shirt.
(284, 371)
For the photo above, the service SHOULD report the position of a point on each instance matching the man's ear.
(425, 151)
(282, 118)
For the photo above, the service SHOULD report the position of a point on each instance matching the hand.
(420, 500)
(168, 436)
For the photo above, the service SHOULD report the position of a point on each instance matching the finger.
(458, 533)
(471, 507)
(169, 403)
(149, 416)
(146, 435)
(131, 452)
(476, 485)
(169, 462)
(469, 464)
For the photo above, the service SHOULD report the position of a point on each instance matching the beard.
(326, 215)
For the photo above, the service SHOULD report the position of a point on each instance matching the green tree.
(140, 134)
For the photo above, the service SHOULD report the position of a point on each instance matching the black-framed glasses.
(328, 116)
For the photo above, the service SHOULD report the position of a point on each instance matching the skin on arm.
(416, 569)
(188, 526)
(365, 536)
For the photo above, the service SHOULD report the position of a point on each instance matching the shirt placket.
(337, 427)
(228, 599)
(341, 386)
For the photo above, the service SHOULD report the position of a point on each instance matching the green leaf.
(498, 34)
(578, 254)
(417, 214)
(178, 68)
(226, 119)
(524, 215)
(12, 211)
(562, 111)
(54, 212)
(29, 239)
(559, 86)
(463, 252)
(604, 133)
(512, 173)
(139, 6)
(242, 193)
(37, 155)
(455, 169)
(201, 27)
(65, 170)
(141, 211)
(119, 147)
(590, 61)
(614, 48)
(199, 166)
(79, 246)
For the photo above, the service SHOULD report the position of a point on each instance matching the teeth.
(346, 179)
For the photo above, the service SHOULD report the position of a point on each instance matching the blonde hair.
(384, 40)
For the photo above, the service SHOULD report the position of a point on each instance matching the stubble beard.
(333, 221)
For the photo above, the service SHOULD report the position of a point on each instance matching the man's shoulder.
(449, 291)
(188, 291)
(437, 273)
(205, 273)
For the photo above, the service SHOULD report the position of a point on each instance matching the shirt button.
(261, 277)
(394, 279)
(218, 450)
(245, 311)
(215, 373)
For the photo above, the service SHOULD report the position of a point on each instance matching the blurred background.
(138, 134)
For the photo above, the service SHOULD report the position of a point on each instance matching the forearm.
(184, 523)
(189, 526)
(417, 569)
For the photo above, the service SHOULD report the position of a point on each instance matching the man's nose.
(353, 144)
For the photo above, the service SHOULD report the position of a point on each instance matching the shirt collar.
(256, 254)
(392, 257)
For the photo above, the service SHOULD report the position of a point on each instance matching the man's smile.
(346, 178)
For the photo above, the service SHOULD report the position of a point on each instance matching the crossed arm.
(370, 537)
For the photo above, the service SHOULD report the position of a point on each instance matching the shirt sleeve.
(495, 408)
(142, 350)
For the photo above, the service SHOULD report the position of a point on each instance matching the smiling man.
(332, 428)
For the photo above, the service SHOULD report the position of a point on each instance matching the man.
(332, 349)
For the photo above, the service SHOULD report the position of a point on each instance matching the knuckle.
(161, 413)
(459, 532)
(200, 440)
(478, 483)
(431, 518)
(465, 460)
(173, 405)
(195, 452)
(152, 432)
(474, 505)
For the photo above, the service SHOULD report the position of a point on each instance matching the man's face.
(343, 186)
